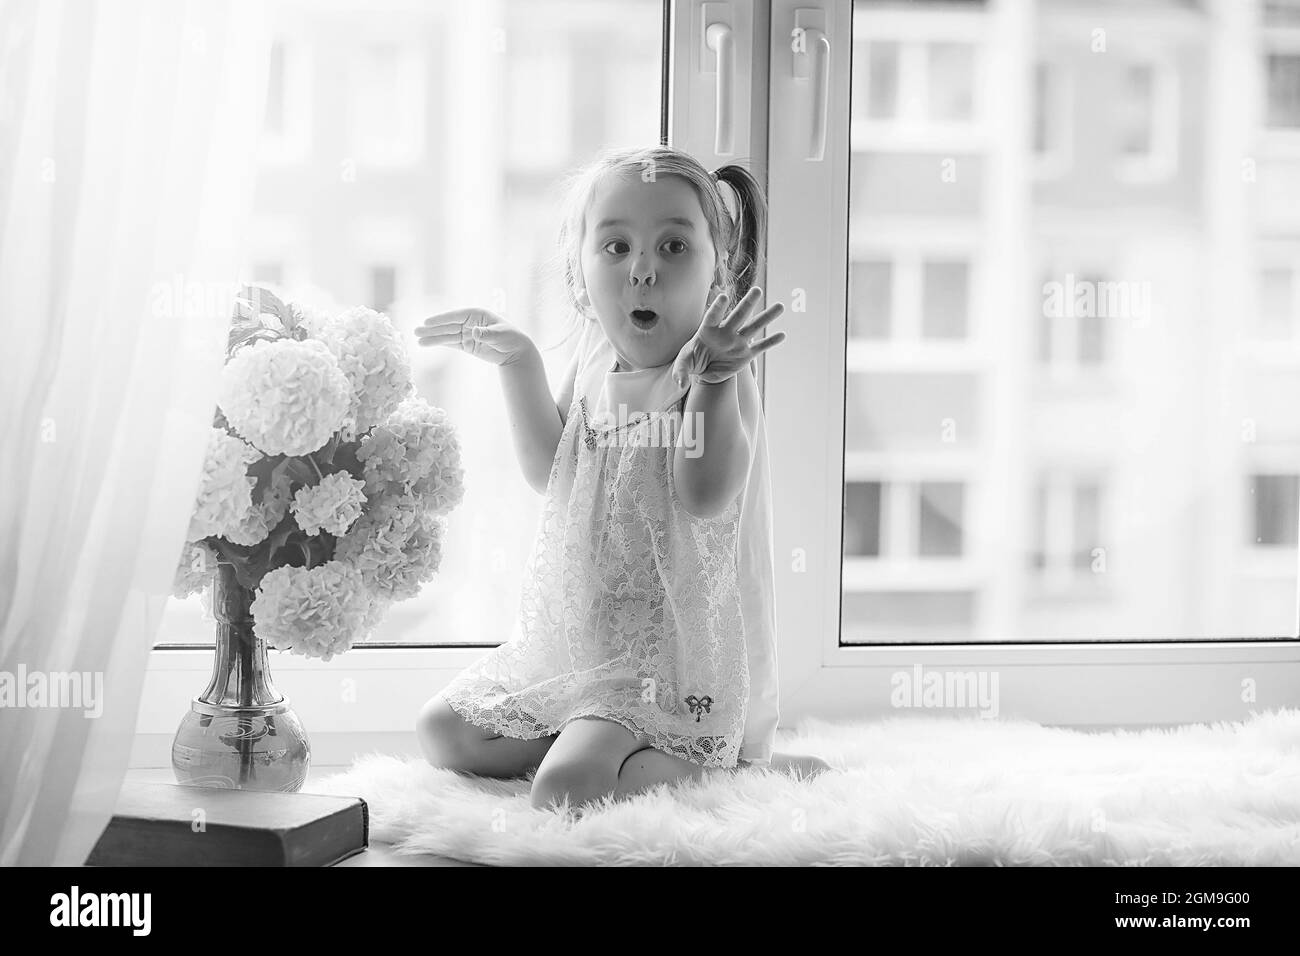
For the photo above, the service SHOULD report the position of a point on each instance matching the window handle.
(817, 49)
(719, 39)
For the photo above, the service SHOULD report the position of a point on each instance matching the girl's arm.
(716, 443)
(536, 422)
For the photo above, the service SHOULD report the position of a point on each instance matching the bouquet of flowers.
(326, 482)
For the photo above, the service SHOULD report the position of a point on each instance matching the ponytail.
(747, 241)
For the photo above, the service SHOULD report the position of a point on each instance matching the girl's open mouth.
(644, 319)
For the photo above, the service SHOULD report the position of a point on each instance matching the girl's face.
(647, 266)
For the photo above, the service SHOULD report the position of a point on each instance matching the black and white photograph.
(652, 434)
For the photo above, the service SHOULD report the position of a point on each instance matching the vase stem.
(240, 675)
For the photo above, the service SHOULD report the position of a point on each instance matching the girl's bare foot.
(803, 766)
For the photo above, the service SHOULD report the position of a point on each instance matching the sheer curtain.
(127, 134)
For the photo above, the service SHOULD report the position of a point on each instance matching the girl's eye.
(615, 242)
(676, 246)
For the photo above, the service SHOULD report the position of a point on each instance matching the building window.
(286, 122)
(945, 294)
(1066, 525)
(940, 519)
(1275, 505)
(387, 108)
(871, 290)
(268, 271)
(877, 96)
(904, 520)
(951, 78)
(1147, 129)
(275, 92)
(910, 296)
(540, 133)
(1283, 91)
(915, 83)
(862, 518)
(383, 287)
(1277, 303)
(1073, 326)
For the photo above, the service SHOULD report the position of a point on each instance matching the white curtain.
(127, 160)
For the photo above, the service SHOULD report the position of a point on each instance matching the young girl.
(645, 648)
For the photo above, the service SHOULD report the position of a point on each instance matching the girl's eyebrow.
(674, 220)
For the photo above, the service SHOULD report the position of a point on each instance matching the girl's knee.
(578, 782)
(439, 730)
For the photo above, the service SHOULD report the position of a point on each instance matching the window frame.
(1096, 683)
(368, 699)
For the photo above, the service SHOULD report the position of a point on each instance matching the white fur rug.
(906, 790)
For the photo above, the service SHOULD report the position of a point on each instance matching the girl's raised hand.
(476, 332)
(722, 347)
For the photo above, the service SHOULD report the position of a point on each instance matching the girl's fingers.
(716, 310)
(743, 307)
(440, 338)
(760, 320)
(768, 342)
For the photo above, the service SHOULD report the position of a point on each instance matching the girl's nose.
(642, 273)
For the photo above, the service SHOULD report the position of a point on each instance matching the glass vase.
(240, 733)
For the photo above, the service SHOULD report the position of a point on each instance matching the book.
(160, 824)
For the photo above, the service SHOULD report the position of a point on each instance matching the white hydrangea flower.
(372, 354)
(315, 612)
(396, 545)
(196, 570)
(286, 397)
(333, 505)
(226, 491)
(416, 450)
(263, 517)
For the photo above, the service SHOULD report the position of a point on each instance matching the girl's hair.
(739, 240)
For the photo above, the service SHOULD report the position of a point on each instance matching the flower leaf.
(259, 299)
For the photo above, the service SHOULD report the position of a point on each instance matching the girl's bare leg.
(583, 766)
(802, 766)
(648, 767)
(452, 743)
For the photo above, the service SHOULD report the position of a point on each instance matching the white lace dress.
(632, 609)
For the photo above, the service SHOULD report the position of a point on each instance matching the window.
(1099, 364)
(383, 287)
(268, 272)
(286, 126)
(950, 82)
(1067, 548)
(1277, 303)
(386, 111)
(945, 293)
(903, 520)
(911, 84)
(910, 295)
(863, 516)
(1275, 501)
(413, 226)
(1076, 310)
(940, 526)
(1146, 133)
(1277, 310)
(1053, 112)
(1283, 80)
(871, 285)
(879, 89)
